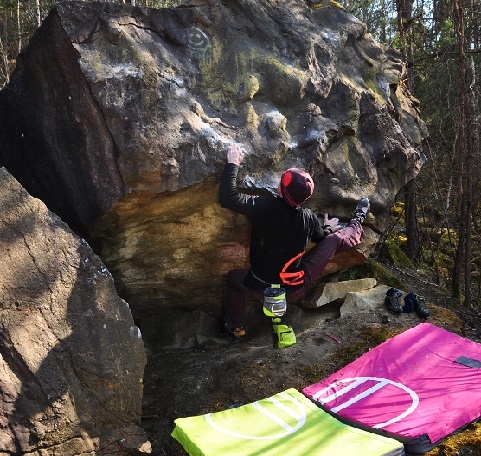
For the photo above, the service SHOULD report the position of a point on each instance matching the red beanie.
(296, 186)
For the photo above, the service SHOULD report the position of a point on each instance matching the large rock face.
(118, 117)
(71, 358)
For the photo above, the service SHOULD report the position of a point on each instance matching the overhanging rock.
(118, 117)
(333, 291)
(364, 301)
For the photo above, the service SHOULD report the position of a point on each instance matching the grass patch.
(469, 441)
(370, 337)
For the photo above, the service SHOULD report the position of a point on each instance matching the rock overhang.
(129, 140)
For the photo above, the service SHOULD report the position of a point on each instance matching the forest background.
(435, 222)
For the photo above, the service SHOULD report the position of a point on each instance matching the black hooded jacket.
(279, 231)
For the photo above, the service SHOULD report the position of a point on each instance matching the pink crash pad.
(417, 387)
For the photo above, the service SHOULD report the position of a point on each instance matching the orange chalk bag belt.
(292, 278)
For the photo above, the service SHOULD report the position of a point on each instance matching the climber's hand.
(331, 223)
(235, 154)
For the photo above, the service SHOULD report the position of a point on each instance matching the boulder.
(364, 301)
(118, 118)
(71, 358)
(332, 291)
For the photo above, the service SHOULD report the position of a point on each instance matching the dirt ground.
(215, 376)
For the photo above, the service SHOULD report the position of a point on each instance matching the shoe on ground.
(416, 303)
(408, 303)
(238, 333)
(391, 301)
(362, 209)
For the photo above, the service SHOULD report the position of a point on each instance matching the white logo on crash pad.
(297, 413)
(354, 383)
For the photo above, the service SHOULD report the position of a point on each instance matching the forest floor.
(215, 376)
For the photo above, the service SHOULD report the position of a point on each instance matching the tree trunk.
(5, 72)
(462, 261)
(38, 13)
(19, 28)
(404, 15)
(411, 221)
(472, 102)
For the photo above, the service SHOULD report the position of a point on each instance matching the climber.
(281, 230)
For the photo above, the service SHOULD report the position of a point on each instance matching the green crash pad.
(286, 423)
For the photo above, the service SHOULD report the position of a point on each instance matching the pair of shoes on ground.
(412, 303)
